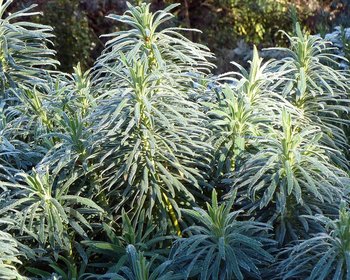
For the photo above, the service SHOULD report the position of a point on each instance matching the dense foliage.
(147, 166)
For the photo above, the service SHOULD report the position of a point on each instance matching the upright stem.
(172, 215)
(152, 64)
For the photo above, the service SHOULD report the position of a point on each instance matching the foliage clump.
(105, 174)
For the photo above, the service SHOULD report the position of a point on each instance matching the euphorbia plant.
(25, 58)
(324, 256)
(243, 110)
(133, 138)
(220, 246)
(153, 151)
(24, 54)
(46, 212)
(290, 173)
(318, 89)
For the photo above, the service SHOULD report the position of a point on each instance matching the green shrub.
(157, 162)
(290, 176)
(220, 246)
(73, 36)
(323, 256)
(9, 257)
(25, 59)
(101, 170)
(318, 88)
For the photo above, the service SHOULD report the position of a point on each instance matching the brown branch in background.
(187, 20)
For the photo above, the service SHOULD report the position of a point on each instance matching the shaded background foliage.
(225, 23)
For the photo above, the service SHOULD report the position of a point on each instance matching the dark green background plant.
(79, 23)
